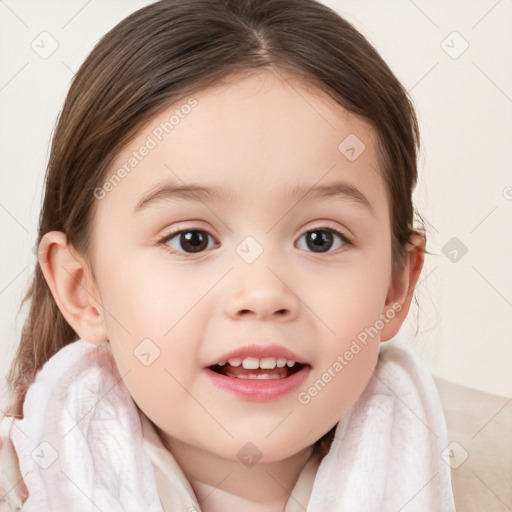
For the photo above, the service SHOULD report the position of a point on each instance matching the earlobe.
(71, 285)
(402, 286)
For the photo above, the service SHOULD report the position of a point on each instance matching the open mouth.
(258, 379)
(254, 368)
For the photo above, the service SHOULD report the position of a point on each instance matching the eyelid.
(349, 239)
(188, 225)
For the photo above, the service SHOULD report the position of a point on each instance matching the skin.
(257, 135)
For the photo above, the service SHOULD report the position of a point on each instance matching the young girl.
(226, 242)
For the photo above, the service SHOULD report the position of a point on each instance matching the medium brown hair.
(166, 51)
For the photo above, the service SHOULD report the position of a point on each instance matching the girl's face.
(291, 247)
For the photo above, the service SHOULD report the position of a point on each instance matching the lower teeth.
(259, 373)
(261, 376)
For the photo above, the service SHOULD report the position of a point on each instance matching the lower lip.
(259, 389)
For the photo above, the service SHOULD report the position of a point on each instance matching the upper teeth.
(252, 363)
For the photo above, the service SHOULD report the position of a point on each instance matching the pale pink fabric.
(81, 445)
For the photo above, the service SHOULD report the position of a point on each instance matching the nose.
(262, 291)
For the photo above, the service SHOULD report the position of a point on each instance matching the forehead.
(252, 135)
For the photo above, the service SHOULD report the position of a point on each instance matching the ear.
(72, 286)
(401, 288)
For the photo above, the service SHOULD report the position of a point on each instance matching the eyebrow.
(167, 191)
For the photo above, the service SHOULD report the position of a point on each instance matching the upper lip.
(259, 351)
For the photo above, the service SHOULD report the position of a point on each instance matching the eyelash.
(163, 241)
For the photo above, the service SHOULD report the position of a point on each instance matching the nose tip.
(262, 294)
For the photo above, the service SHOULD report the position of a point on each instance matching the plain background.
(455, 58)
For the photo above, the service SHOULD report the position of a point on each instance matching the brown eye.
(189, 241)
(321, 240)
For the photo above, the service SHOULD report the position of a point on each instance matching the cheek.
(160, 374)
(346, 360)
(346, 303)
(149, 326)
(143, 299)
(349, 338)
(337, 386)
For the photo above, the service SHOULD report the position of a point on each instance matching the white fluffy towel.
(80, 443)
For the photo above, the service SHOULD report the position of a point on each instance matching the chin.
(264, 450)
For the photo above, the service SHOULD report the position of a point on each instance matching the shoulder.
(13, 491)
(480, 446)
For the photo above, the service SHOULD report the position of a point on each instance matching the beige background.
(464, 104)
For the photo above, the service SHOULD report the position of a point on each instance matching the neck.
(222, 484)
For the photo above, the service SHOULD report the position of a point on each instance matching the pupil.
(318, 239)
(193, 240)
